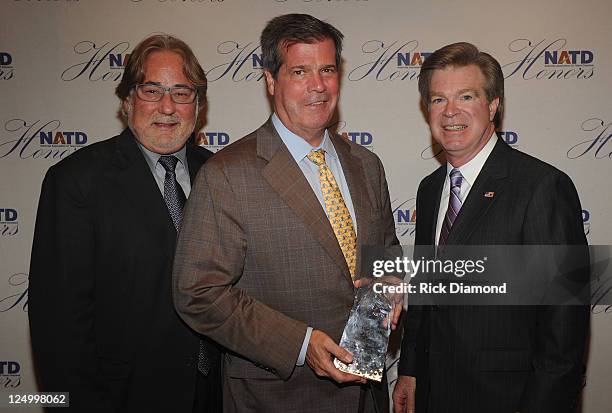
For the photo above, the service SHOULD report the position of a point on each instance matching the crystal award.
(366, 334)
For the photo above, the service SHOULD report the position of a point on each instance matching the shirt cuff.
(302, 357)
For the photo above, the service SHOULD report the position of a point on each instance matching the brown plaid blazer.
(257, 262)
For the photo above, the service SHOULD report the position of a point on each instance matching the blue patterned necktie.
(454, 205)
(175, 201)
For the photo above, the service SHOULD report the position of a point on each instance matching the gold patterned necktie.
(337, 212)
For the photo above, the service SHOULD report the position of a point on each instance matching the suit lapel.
(135, 180)
(490, 181)
(427, 217)
(287, 179)
(361, 194)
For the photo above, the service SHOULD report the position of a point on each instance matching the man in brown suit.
(260, 266)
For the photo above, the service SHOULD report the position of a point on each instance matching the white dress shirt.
(470, 172)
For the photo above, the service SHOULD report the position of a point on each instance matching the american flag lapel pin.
(489, 194)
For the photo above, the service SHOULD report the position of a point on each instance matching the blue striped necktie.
(454, 205)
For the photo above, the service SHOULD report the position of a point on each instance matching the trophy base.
(375, 375)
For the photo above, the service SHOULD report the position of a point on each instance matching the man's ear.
(269, 82)
(126, 106)
(493, 105)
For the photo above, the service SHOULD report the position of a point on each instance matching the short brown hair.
(283, 31)
(134, 70)
(460, 55)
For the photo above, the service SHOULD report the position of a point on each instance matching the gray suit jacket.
(257, 262)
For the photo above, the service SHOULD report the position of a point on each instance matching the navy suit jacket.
(499, 359)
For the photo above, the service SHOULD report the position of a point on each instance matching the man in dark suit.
(266, 259)
(102, 320)
(492, 359)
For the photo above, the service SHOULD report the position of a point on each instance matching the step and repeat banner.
(60, 61)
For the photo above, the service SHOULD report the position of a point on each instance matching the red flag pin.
(489, 194)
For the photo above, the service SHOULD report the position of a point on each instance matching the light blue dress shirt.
(299, 148)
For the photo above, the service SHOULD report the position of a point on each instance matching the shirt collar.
(152, 157)
(298, 147)
(470, 170)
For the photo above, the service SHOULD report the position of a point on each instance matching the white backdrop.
(60, 61)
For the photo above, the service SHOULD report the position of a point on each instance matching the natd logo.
(9, 224)
(118, 60)
(411, 60)
(6, 68)
(10, 374)
(405, 216)
(510, 137)
(242, 62)
(389, 61)
(62, 138)
(98, 61)
(40, 139)
(586, 221)
(546, 59)
(360, 137)
(213, 141)
(598, 144)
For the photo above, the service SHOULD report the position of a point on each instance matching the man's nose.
(451, 108)
(316, 83)
(167, 105)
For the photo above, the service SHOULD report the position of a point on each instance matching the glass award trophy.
(366, 334)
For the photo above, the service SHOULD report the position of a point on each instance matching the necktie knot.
(456, 178)
(168, 162)
(317, 157)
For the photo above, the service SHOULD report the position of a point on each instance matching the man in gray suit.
(265, 263)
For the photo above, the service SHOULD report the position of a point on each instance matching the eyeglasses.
(155, 93)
